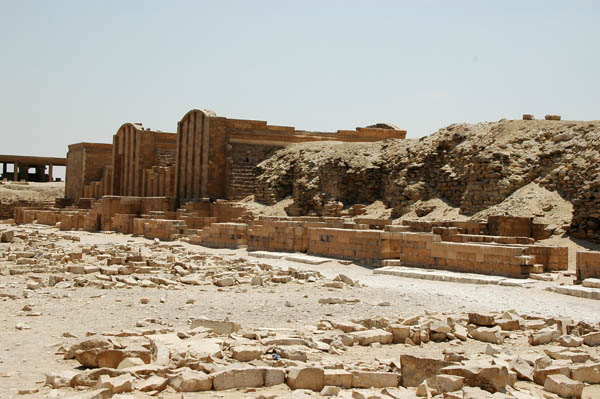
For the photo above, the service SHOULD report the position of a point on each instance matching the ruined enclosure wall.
(135, 151)
(242, 173)
(470, 166)
(86, 163)
(193, 137)
(7, 209)
(588, 264)
(216, 156)
(74, 178)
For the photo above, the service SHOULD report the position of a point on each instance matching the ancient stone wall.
(136, 150)
(588, 265)
(7, 209)
(473, 167)
(86, 163)
(216, 156)
(242, 172)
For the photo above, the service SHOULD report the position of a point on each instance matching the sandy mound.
(10, 192)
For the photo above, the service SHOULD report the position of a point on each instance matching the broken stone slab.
(246, 353)
(225, 282)
(399, 333)
(440, 326)
(90, 377)
(588, 373)
(281, 279)
(374, 379)
(283, 341)
(509, 325)
(480, 319)
(592, 339)
(563, 386)
(447, 383)
(523, 369)
(540, 374)
(482, 374)
(486, 334)
(221, 327)
(236, 378)
(544, 336)
(76, 269)
(570, 341)
(274, 376)
(347, 326)
(192, 279)
(572, 355)
(338, 378)
(130, 362)
(292, 352)
(345, 279)
(120, 384)
(416, 369)
(60, 379)
(368, 337)
(111, 358)
(198, 348)
(153, 383)
(311, 378)
(191, 381)
(88, 343)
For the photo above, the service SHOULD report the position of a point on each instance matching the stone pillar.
(50, 176)
(16, 166)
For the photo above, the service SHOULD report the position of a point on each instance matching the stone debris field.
(108, 315)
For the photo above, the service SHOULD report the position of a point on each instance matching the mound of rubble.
(470, 166)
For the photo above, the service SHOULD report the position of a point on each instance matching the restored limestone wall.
(216, 156)
(136, 150)
(86, 163)
(588, 264)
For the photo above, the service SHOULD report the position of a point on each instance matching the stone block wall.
(222, 235)
(553, 258)
(163, 229)
(242, 160)
(216, 156)
(588, 264)
(86, 163)
(135, 150)
(7, 209)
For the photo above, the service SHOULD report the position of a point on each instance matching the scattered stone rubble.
(562, 358)
(48, 260)
(461, 355)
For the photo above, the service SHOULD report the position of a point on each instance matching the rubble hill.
(470, 166)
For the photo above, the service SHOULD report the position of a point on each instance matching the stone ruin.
(186, 186)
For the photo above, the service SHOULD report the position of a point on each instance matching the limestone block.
(306, 378)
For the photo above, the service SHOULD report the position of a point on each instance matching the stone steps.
(454, 277)
(577, 290)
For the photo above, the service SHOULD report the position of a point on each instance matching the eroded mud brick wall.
(217, 156)
(86, 162)
(135, 152)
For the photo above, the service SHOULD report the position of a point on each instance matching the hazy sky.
(75, 71)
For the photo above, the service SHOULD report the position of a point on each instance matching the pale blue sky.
(75, 71)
